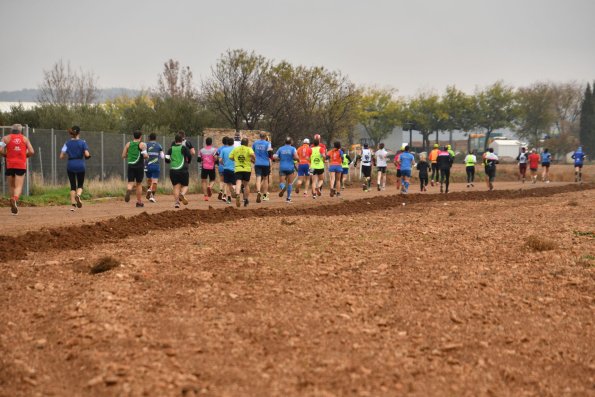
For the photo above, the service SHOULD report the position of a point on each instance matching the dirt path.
(34, 218)
(439, 297)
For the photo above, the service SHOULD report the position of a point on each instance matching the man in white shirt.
(381, 164)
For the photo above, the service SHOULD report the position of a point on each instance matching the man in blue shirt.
(546, 160)
(406, 162)
(286, 155)
(229, 178)
(579, 158)
(152, 166)
(262, 166)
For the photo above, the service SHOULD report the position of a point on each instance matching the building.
(507, 149)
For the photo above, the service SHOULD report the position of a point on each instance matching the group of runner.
(235, 160)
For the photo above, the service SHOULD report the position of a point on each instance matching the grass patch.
(584, 234)
(538, 243)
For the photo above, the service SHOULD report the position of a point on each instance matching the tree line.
(248, 91)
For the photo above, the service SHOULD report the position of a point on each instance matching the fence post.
(123, 160)
(163, 160)
(102, 169)
(52, 156)
(55, 156)
(28, 177)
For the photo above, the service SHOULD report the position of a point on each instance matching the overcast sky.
(410, 45)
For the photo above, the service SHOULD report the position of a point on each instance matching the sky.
(408, 45)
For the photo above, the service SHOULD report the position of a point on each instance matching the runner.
(304, 152)
(335, 157)
(491, 161)
(179, 156)
(522, 158)
(228, 164)
(345, 169)
(76, 151)
(152, 166)
(406, 162)
(191, 151)
(16, 148)
(243, 157)
(444, 162)
(579, 158)
(286, 155)
(423, 168)
(546, 161)
(262, 167)
(208, 157)
(381, 163)
(433, 160)
(135, 152)
(317, 164)
(470, 161)
(324, 149)
(398, 166)
(533, 160)
(223, 193)
(366, 158)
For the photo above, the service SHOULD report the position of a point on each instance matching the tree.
(567, 98)
(535, 112)
(427, 113)
(176, 82)
(378, 113)
(461, 110)
(495, 109)
(587, 122)
(239, 88)
(63, 86)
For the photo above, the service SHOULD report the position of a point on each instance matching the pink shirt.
(207, 154)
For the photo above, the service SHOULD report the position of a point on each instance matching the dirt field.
(471, 293)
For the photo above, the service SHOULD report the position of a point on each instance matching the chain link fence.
(106, 156)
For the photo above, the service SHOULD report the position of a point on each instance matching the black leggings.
(470, 173)
(434, 176)
(423, 182)
(445, 176)
(77, 179)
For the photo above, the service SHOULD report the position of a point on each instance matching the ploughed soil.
(470, 293)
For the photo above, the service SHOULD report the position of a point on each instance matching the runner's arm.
(125, 151)
(30, 151)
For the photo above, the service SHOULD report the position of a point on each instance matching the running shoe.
(228, 200)
(177, 205)
(338, 194)
(258, 197)
(238, 203)
(378, 187)
(318, 192)
(13, 206)
(127, 195)
(220, 196)
(332, 194)
(205, 198)
(314, 196)
(148, 195)
(73, 207)
(471, 185)
(432, 182)
(305, 194)
(297, 189)
(265, 197)
(246, 202)
(79, 203)
(152, 199)
(364, 187)
(209, 191)
(288, 200)
(139, 205)
(183, 199)
(282, 191)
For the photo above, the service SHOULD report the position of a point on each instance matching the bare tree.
(567, 99)
(61, 85)
(176, 81)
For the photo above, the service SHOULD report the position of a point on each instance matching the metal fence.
(106, 155)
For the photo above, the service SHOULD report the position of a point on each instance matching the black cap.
(76, 128)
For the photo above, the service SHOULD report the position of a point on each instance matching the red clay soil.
(72, 237)
(459, 295)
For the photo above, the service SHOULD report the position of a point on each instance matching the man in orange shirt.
(433, 157)
(304, 152)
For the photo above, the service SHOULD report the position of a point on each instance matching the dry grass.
(104, 264)
(538, 243)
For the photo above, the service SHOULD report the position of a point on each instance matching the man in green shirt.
(243, 157)
(177, 157)
(135, 153)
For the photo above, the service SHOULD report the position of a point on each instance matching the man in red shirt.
(304, 152)
(533, 164)
(16, 148)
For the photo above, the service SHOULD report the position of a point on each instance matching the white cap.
(306, 140)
